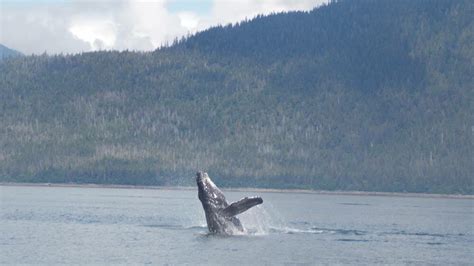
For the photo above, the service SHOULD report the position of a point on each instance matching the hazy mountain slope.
(6, 52)
(360, 95)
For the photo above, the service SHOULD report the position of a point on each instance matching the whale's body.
(220, 215)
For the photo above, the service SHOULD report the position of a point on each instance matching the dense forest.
(354, 95)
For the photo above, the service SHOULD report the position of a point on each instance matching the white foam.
(258, 221)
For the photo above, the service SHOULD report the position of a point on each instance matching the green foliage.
(355, 95)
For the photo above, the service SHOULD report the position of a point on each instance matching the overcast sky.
(71, 26)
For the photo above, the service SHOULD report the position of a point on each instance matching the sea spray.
(261, 220)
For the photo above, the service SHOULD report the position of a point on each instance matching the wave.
(176, 226)
(262, 221)
(342, 231)
(418, 234)
(352, 240)
(354, 204)
(289, 230)
(317, 230)
(334, 234)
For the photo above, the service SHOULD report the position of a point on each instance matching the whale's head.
(201, 176)
(203, 181)
(206, 188)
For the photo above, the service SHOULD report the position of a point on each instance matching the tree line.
(354, 95)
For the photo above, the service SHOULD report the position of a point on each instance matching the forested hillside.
(6, 52)
(354, 95)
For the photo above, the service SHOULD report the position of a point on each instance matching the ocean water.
(54, 225)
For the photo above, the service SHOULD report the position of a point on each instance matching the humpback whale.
(220, 215)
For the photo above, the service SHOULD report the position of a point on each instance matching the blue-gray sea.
(73, 225)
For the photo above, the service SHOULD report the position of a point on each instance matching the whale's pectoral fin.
(241, 206)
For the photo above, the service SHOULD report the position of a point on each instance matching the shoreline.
(264, 190)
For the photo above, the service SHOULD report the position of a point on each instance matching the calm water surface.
(52, 225)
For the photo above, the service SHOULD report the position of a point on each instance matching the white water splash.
(261, 220)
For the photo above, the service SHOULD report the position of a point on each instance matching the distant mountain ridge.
(6, 52)
(354, 95)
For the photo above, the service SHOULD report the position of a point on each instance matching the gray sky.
(71, 26)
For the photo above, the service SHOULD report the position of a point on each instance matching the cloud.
(153, 20)
(37, 30)
(231, 11)
(78, 25)
(98, 33)
(189, 20)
